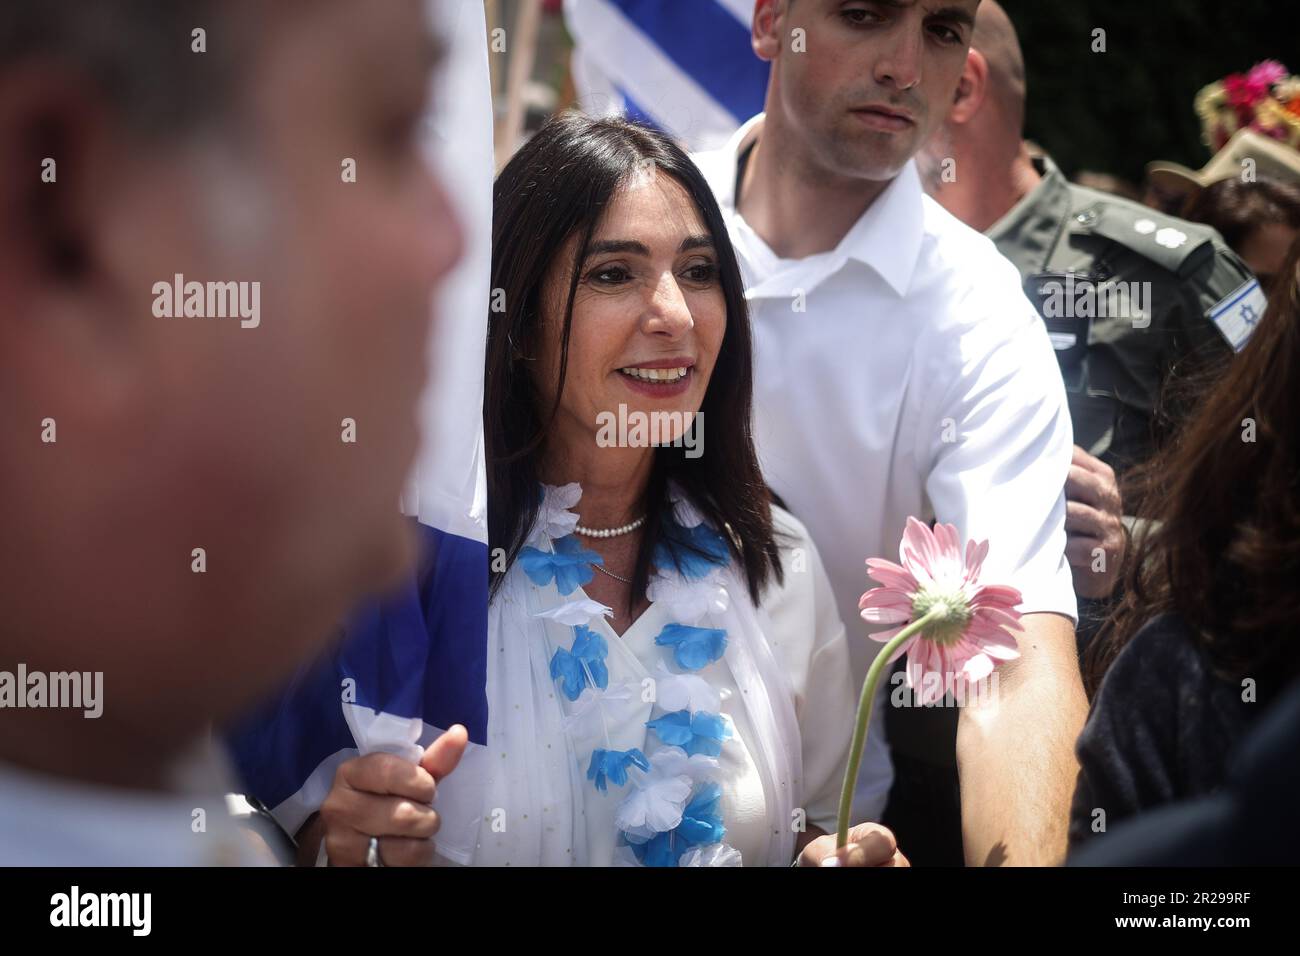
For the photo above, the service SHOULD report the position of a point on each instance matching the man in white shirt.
(182, 521)
(901, 371)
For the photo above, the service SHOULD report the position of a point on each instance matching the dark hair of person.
(1236, 208)
(558, 185)
(1220, 543)
(138, 54)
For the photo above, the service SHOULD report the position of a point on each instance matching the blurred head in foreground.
(196, 298)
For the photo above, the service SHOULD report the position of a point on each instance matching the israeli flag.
(683, 66)
(413, 664)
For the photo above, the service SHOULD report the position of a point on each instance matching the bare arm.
(1015, 751)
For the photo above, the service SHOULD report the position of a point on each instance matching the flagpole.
(523, 53)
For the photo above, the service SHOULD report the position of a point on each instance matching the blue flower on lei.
(693, 647)
(701, 824)
(607, 765)
(587, 659)
(701, 733)
(701, 820)
(698, 551)
(570, 565)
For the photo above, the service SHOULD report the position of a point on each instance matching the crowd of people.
(877, 303)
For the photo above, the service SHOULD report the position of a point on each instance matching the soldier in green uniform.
(1129, 296)
(1132, 299)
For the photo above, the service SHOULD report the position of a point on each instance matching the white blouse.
(784, 690)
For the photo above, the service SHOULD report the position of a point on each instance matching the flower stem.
(864, 719)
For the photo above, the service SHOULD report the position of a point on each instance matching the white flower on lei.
(660, 795)
(688, 602)
(715, 854)
(576, 611)
(585, 717)
(673, 761)
(554, 517)
(685, 692)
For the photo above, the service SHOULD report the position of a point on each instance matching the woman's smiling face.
(649, 314)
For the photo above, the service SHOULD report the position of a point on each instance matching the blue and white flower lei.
(671, 815)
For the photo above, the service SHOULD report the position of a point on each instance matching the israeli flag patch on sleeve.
(1237, 314)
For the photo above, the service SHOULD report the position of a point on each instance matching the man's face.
(208, 434)
(877, 78)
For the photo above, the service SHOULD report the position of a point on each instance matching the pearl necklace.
(610, 532)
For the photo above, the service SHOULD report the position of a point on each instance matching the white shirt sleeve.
(809, 640)
(1000, 446)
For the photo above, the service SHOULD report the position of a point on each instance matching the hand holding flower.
(951, 627)
(869, 844)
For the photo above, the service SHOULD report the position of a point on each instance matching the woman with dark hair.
(1206, 636)
(667, 677)
(575, 177)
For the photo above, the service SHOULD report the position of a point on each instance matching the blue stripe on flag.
(709, 44)
(632, 110)
(418, 653)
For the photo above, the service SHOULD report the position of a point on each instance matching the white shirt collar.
(886, 238)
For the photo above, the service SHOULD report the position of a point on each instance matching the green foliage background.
(1116, 111)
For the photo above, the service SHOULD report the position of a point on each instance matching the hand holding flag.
(381, 795)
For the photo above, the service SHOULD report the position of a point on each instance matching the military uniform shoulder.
(1176, 245)
(1212, 282)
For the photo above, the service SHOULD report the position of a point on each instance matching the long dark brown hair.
(1220, 544)
(557, 186)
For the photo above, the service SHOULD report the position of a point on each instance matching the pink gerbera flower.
(949, 625)
(968, 627)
